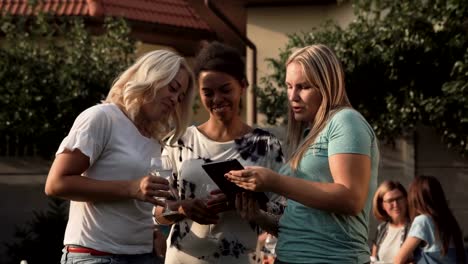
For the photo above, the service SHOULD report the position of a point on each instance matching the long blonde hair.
(324, 71)
(140, 83)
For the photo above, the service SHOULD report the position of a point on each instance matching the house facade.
(249, 25)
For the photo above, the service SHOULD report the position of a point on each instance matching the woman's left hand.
(218, 202)
(253, 178)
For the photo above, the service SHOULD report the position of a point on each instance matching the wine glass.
(205, 194)
(162, 166)
(270, 244)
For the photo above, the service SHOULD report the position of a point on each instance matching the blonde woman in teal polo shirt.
(331, 175)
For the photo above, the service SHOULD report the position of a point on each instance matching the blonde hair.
(140, 83)
(323, 70)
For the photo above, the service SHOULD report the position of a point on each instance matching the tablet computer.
(216, 171)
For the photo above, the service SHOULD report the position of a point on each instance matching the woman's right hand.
(247, 207)
(196, 210)
(253, 178)
(148, 187)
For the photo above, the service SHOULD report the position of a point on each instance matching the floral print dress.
(232, 239)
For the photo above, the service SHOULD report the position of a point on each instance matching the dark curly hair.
(216, 56)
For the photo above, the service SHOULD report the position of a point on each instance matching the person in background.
(208, 230)
(102, 165)
(390, 205)
(434, 236)
(331, 174)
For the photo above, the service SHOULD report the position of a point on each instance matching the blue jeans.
(86, 258)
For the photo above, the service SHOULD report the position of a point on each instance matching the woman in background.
(434, 236)
(390, 205)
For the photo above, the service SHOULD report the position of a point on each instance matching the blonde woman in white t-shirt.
(102, 165)
(390, 205)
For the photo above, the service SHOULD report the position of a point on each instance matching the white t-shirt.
(232, 240)
(117, 151)
(391, 244)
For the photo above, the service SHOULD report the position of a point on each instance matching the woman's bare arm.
(65, 181)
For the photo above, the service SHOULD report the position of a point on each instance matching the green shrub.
(51, 69)
(405, 64)
(41, 241)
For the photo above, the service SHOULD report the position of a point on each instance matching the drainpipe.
(250, 44)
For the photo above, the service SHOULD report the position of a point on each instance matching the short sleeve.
(274, 160)
(275, 156)
(349, 132)
(89, 133)
(268, 149)
(422, 228)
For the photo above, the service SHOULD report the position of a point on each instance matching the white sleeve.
(274, 160)
(89, 134)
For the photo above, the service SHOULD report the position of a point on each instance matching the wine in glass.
(162, 167)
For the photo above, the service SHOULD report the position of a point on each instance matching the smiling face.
(395, 205)
(304, 99)
(220, 94)
(167, 97)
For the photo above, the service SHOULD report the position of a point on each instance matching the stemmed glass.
(162, 167)
(205, 191)
(270, 244)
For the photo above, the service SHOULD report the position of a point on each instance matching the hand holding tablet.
(216, 171)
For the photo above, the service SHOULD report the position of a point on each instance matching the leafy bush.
(41, 241)
(51, 69)
(405, 64)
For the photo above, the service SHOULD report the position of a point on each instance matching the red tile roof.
(177, 13)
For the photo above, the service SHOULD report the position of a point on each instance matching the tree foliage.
(41, 240)
(405, 62)
(51, 69)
